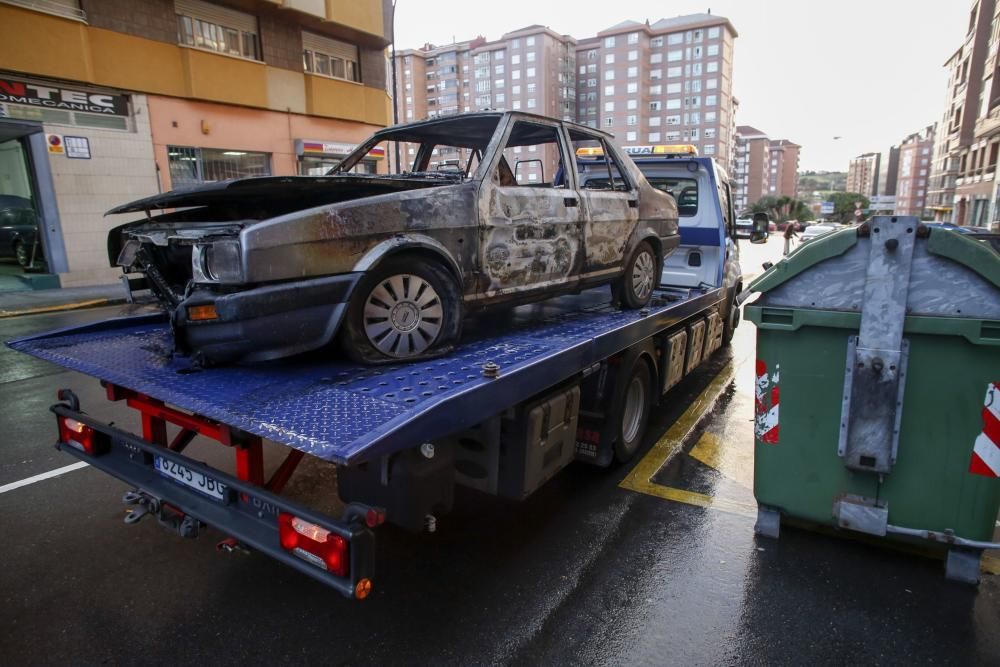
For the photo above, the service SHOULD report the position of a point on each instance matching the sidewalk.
(32, 302)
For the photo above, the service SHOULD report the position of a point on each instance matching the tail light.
(78, 435)
(313, 544)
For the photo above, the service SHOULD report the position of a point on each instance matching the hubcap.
(643, 277)
(403, 315)
(634, 406)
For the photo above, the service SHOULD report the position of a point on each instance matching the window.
(609, 59)
(530, 88)
(696, 69)
(609, 106)
(711, 84)
(713, 50)
(711, 100)
(515, 74)
(515, 90)
(694, 134)
(591, 68)
(633, 38)
(498, 69)
(673, 72)
(654, 136)
(529, 56)
(633, 72)
(515, 43)
(633, 54)
(499, 55)
(530, 41)
(583, 68)
(674, 135)
(208, 26)
(530, 73)
(655, 58)
(712, 67)
(674, 104)
(673, 88)
(500, 99)
(683, 190)
(609, 75)
(709, 149)
(531, 102)
(632, 104)
(698, 35)
(630, 136)
(654, 121)
(632, 87)
(676, 38)
(609, 122)
(709, 116)
(499, 83)
(609, 42)
(656, 74)
(656, 42)
(632, 120)
(191, 166)
(609, 90)
(591, 83)
(601, 173)
(516, 104)
(329, 57)
(674, 56)
(710, 133)
(713, 33)
(696, 86)
(655, 105)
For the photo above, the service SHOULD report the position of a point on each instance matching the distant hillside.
(821, 181)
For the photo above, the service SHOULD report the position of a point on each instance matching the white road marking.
(43, 476)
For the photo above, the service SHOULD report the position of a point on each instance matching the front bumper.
(266, 322)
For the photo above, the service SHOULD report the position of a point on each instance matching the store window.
(191, 166)
(19, 238)
(330, 57)
(208, 26)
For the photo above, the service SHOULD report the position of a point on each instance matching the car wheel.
(633, 414)
(404, 308)
(21, 254)
(641, 276)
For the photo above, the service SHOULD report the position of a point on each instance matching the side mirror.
(759, 233)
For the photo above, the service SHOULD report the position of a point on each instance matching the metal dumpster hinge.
(876, 358)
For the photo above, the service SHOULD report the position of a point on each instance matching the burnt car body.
(265, 267)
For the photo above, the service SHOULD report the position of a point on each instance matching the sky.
(870, 72)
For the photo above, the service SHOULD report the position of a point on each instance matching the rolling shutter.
(222, 16)
(331, 47)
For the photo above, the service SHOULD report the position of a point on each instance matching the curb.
(93, 303)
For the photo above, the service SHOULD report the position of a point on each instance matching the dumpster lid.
(942, 242)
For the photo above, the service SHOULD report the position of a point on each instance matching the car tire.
(404, 308)
(21, 254)
(631, 415)
(641, 276)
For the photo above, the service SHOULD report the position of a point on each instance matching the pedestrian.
(789, 235)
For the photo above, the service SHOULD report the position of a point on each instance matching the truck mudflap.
(185, 494)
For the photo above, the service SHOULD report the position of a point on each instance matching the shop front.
(316, 158)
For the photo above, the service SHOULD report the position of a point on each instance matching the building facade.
(751, 167)
(105, 101)
(863, 174)
(661, 83)
(914, 172)
(964, 156)
(783, 169)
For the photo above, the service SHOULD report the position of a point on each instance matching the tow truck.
(570, 379)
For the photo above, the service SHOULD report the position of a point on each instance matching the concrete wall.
(121, 169)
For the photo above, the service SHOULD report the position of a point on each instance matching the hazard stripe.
(991, 425)
(988, 453)
(992, 400)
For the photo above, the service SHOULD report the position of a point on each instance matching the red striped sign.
(766, 398)
(986, 450)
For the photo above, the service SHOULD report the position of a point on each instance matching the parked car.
(260, 268)
(744, 226)
(815, 231)
(18, 228)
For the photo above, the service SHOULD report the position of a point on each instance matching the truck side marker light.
(77, 435)
(313, 544)
(363, 588)
(202, 313)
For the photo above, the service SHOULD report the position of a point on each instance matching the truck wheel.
(641, 276)
(633, 414)
(405, 307)
(732, 316)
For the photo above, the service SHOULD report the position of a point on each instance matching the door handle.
(569, 201)
(633, 203)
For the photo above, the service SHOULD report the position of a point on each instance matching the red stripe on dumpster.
(766, 404)
(986, 450)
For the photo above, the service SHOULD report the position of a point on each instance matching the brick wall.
(152, 19)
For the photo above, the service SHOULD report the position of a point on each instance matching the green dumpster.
(878, 387)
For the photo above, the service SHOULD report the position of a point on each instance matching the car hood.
(302, 191)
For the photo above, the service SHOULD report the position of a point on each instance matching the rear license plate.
(190, 478)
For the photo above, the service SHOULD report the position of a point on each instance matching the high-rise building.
(863, 174)
(660, 83)
(964, 155)
(888, 172)
(751, 166)
(106, 101)
(914, 172)
(783, 168)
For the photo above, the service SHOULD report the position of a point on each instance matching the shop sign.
(55, 144)
(77, 147)
(308, 147)
(20, 91)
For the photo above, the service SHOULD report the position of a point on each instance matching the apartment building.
(783, 168)
(751, 168)
(964, 156)
(106, 101)
(914, 172)
(863, 174)
(660, 83)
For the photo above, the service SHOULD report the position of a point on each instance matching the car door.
(531, 223)
(610, 209)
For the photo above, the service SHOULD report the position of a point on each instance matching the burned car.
(489, 211)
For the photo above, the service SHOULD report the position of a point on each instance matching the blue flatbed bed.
(346, 413)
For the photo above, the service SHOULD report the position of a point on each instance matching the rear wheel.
(633, 414)
(406, 307)
(642, 274)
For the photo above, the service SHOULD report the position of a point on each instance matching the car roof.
(481, 120)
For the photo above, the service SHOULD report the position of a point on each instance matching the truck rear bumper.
(245, 512)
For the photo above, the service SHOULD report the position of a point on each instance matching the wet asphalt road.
(584, 572)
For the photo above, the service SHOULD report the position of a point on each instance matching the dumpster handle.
(947, 537)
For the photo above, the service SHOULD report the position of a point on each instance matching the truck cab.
(708, 255)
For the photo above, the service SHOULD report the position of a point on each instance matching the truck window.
(683, 190)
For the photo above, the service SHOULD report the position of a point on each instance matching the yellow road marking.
(732, 460)
(52, 309)
(639, 479)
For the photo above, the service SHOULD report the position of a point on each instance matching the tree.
(844, 205)
(782, 209)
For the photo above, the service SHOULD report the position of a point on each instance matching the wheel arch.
(415, 244)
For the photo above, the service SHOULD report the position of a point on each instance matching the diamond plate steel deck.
(347, 413)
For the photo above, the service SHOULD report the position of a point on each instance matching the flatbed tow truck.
(528, 391)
